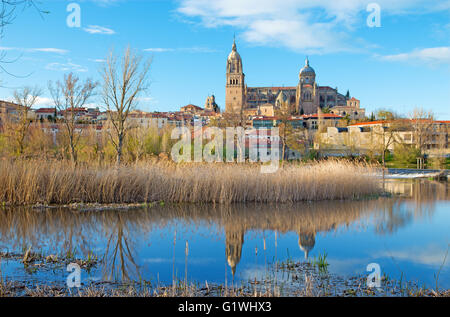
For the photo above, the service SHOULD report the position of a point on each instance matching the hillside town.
(313, 120)
(329, 133)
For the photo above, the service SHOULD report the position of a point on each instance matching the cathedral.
(306, 98)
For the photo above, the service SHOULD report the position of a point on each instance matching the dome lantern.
(307, 70)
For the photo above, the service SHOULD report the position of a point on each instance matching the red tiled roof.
(323, 115)
(272, 88)
(45, 110)
(192, 106)
(275, 118)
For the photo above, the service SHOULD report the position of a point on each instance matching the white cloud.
(320, 26)
(49, 50)
(158, 49)
(182, 49)
(105, 3)
(97, 60)
(96, 29)
(44, 102)
(428, 255)
(36, 50)
(434, 55)
(66, 67)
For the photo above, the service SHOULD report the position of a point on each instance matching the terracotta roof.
(192, 106)
(272, 88)
(323, 115)
(275, 118)
(45, 110)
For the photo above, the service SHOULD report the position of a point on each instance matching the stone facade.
(369, 137)
(235, 88)
(305, 98)
(353, 110)
(211, 105)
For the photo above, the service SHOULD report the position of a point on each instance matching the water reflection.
(119, 236)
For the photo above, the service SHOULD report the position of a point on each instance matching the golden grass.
(32, 182)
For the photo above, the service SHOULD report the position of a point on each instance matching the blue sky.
(402, 64)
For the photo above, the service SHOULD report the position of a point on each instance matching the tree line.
(125, 78)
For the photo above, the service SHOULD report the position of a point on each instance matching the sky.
(398, 64)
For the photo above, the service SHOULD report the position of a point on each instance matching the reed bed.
(59, 183)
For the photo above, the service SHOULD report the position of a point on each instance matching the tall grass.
(56, 182)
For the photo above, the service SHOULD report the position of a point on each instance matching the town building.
(192, 109)
(371, 137)
(45, 113)
(352, 110)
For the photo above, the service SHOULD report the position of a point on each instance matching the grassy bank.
(291, 279)
(43, 182)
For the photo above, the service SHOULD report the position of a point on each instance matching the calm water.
(407, 235)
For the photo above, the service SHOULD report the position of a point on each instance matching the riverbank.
(304, 279)
(404, 173)
(261, 245)
(59, 183)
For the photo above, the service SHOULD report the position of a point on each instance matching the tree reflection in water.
(116, 236)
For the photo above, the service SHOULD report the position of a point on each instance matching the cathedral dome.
(307, 70)
(234, 55)
(306, 242)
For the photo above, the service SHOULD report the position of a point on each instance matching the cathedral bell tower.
(235, 87)
(307, 91)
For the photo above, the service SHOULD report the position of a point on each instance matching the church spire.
(234, 43)
(307, 61)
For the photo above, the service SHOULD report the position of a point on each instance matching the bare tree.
(69, 96)
(442, 136)
(25, 98)
(123, 82)
(286, 130)
(8, 9)
(422, 124)
(387, 134)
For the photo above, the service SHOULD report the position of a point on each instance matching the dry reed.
(57, 183)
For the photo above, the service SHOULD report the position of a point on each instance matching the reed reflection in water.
(118, 236)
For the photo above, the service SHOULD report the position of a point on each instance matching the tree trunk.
(73, 154)
(119, 149)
